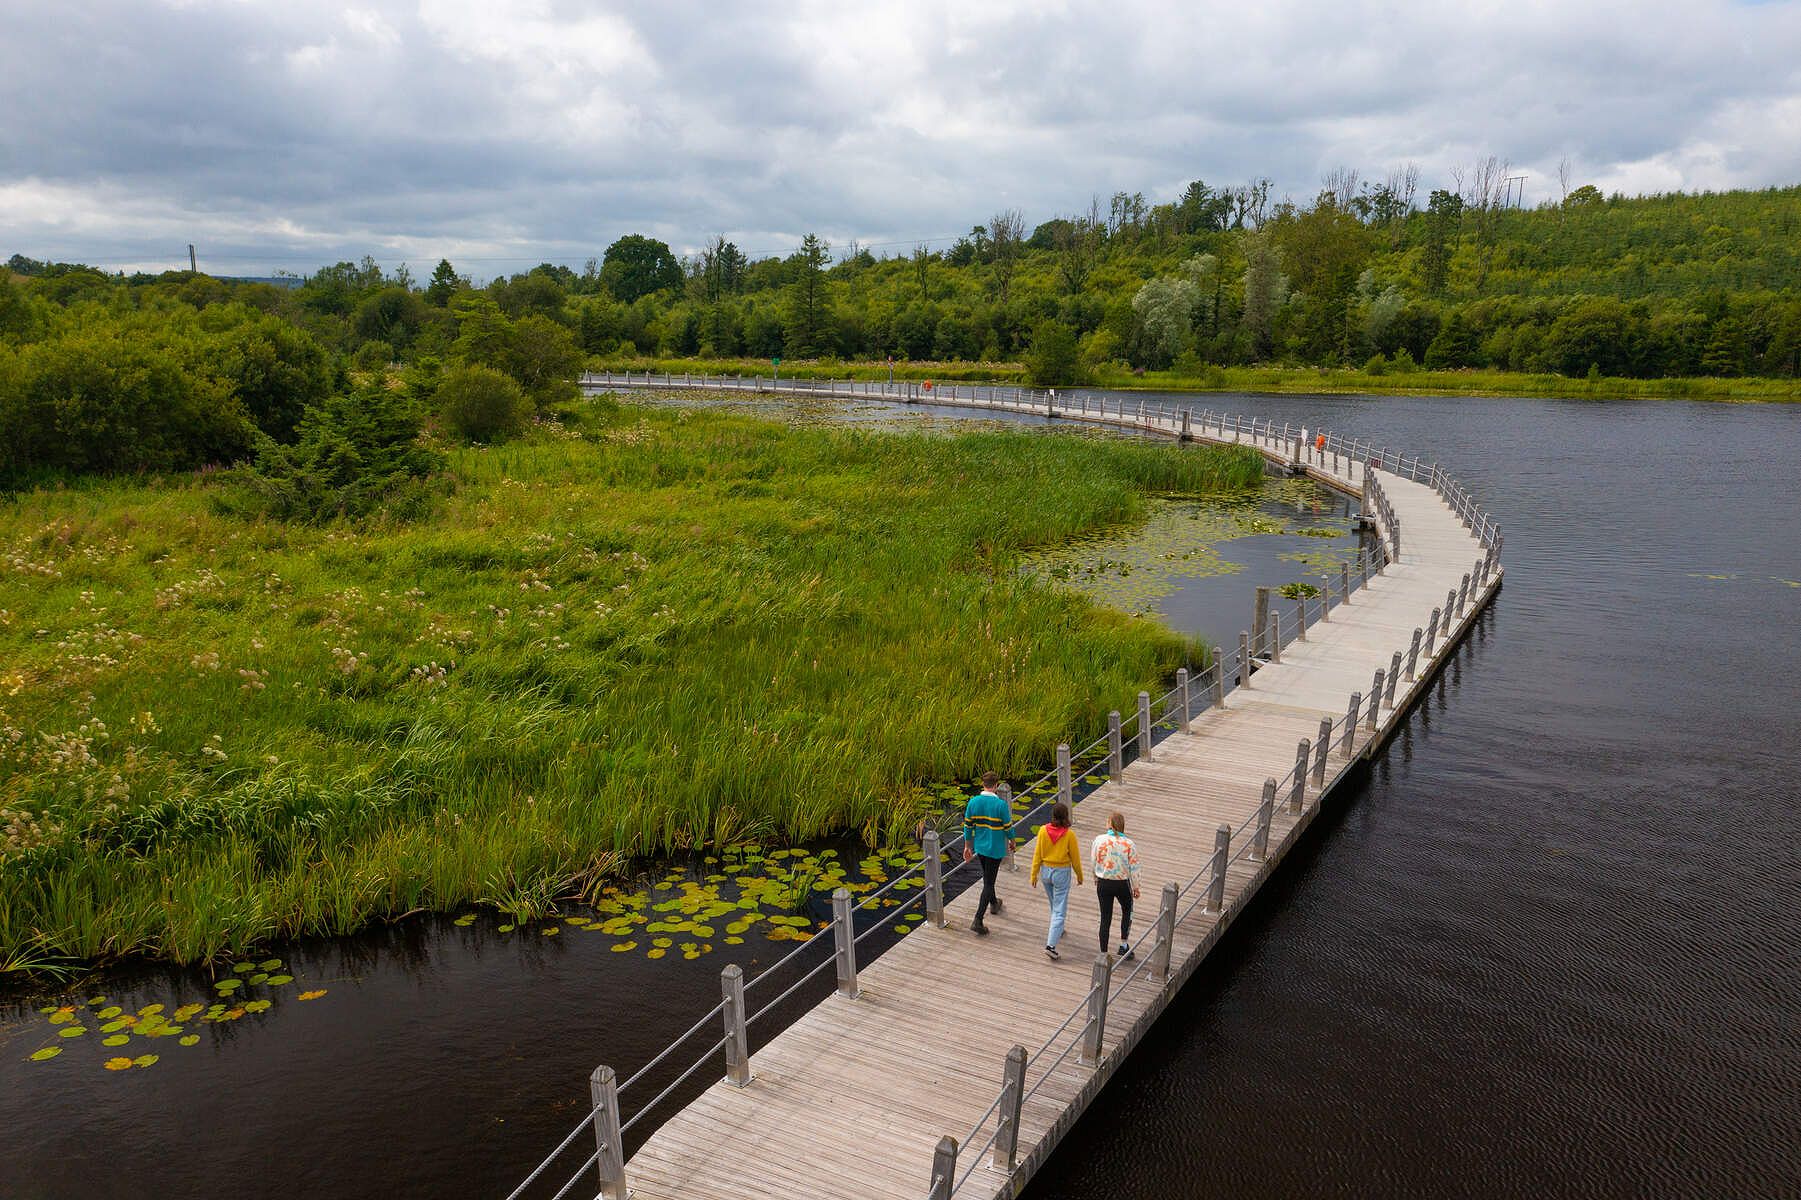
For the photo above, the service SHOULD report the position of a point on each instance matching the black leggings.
(990, 869)
(1109, 891)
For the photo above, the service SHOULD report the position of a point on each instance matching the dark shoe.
(994, 906)
(1126, 953)
(1051, 953)
(979, 929)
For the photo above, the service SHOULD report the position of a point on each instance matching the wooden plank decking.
(851, 1099)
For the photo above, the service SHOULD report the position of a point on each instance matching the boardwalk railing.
(1130, 737)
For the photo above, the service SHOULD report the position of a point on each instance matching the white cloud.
(530, 129)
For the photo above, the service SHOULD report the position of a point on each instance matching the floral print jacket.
(1115, 857)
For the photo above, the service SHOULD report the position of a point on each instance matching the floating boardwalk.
(953, 1065)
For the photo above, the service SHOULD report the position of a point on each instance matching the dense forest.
(106, 372)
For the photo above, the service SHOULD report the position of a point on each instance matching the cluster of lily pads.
(114, 1028)
(742, 890)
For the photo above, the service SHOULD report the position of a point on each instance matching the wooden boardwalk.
(852, 1099)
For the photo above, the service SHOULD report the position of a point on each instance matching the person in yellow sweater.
(1056, 859)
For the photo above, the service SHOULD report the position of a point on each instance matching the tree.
(1006, 231)
(392, 315)
(479, 404)
(1444, 212)
(1052, 359)
(444, 284)
(1165, 313)
(807, 333)
(637, 266)
(1265, 290)
(277, 372)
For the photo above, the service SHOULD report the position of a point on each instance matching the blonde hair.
(1117, 822)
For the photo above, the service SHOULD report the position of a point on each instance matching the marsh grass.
(641, 632)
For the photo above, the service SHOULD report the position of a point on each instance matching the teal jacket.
(987, 821)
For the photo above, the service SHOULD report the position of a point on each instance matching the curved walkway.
(857, 1097)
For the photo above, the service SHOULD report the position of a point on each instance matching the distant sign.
(775, 362)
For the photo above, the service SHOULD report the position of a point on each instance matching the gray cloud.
(500, 134)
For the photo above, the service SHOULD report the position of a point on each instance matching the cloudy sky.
(282, 134)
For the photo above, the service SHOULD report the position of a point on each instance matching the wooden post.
(1375, 705)
(1244, 661)
(1219, 679)
(844, 938)
(1100, 983)
(1144, 726)
(1216, 883)
(1450, 603)
(1275, 637)
(934, 873)
(1013, 1091)
(1065, 787)
(1394, 676)
(1413, 656)
(1297, 795)
(737, 1038)
(1325, 602)
(944, 1169)
(1300, 617)
(1350, 722)
(1182, 690)
(1187, 433)
(1322, 746)
(1116, 759)
(1166, 931)
(1463, 595)
(1432, 631)
(1266, 812)
(603, 1088)
(1005, 792)
(1260, 618)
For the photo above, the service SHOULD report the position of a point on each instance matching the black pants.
(1110, 890)
(990, 868)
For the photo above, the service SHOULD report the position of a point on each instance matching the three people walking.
(1116, 880)
(987, 829)
(1056, 860)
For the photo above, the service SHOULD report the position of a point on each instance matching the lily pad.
(621, 947)
(72, 1031)
(192, 1039)
(117, 1064)
(145, 1060)
(118, 1039)
(659, 953)
(465, 919)
(312, 995)
(269, 964)
(256, 1006)
(48, 1052)
(280, 980)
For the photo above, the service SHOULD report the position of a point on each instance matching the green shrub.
(1053, 359)
(372, 356)
(356, 454)
(479, 404)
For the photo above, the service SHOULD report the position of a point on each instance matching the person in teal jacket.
(987, 828)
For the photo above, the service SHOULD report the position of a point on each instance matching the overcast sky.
(500, 133)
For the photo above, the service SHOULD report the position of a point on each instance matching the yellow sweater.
(1060, 853)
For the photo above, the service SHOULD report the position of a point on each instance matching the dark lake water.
(1550, 944)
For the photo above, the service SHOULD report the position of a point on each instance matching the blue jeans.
(1056, 882)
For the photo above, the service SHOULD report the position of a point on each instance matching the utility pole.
(1517, 196)
(192, 265)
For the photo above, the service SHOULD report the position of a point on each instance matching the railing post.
(1450, 604)
(1375, 705)
(1350, 722)
(944, 1169)
(737, 1038)
(1266, 812)
(1100, 983)
(1013, 1090)
(1463, 595)
(1166, 931)
(1300, 617)
(1413, 655)
(1322, 746)
(1325, 603)
(1216, 883)
(603, 1088)
(1432, 631)
(844, 935)
(1394, 676)
(1182, 690)
(1005, 792)
(1144, 726)
(1244, 660)
(1116, 759)
(1275, 637)
(1065, 790)
(1297, 795)
(934, 871)
(1260, 617)
(1219, 679)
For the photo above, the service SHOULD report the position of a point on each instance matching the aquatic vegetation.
(159, 1021)
(1299, 591)
(654, 632)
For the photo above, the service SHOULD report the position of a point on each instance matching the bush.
(1052, 359)
(356, 454)
(373, 356)
(1377, 365)
(479, 404)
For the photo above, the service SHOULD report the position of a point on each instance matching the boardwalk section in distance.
(961, 1061)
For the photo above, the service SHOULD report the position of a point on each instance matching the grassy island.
(640, 630)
